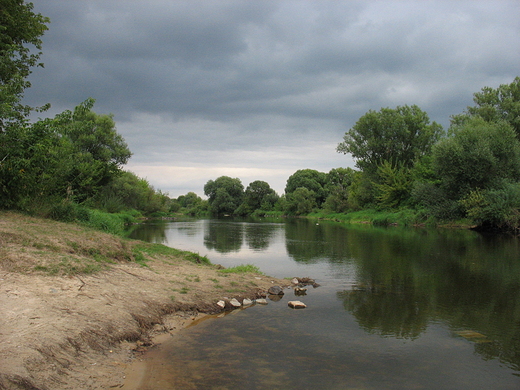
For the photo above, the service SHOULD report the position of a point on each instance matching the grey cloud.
(185, 79)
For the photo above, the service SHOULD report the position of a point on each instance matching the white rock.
(235, 303)
(261, 301)
(247, 302)
(297, 305)
(295, 281)
(222, 304)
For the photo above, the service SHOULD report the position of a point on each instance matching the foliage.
(400, 136)
(225, 194)
(114, 223)
(258, 195)
(361, 192)
(495, 105)
(434, 202)
(338, 182)
(20, 30)
(497, 209)
(301, 201)
(71, 156)
(310, 179)
(190, 204)
(98, 150)
(394, 186)
(479, 155)
(128, 191)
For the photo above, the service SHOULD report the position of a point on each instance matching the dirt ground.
(85, 331)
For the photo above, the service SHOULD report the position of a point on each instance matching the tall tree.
(224, 194)
(480, 155)
(258, 195)
(493, 105)
(310, 179)
(399, 136)
(20, 30)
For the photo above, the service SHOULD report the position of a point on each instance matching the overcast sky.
(259, 89)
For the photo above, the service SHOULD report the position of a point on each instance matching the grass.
(155, 250)
(241, 269)
(29, 244)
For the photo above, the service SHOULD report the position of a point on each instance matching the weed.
(241, 269)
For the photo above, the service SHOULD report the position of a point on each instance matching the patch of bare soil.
(63, 328)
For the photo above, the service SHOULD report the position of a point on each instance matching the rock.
(247, 302)
(221, 304)
(297, 305)
(261, 301)
(275, 290)
(235, 303)
(300, 291)
(295, 281)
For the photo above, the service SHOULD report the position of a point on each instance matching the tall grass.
(113, 223)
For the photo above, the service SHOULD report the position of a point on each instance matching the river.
(397, 308)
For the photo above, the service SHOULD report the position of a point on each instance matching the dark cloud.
(193, 83)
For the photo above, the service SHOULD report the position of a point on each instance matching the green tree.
(99, 151)
(311, 179)
(338, 183)
(400, 136)
(224, 194)
(494, 105)
(70, 156)
(479, 155)
(20, 30)
(395, 185)
(301, 201)
(258, 195)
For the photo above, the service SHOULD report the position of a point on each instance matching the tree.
(338, 183)
(70, 156)
(99, 151)
(479, 155)
(224, 194)
(258, 195)
(312, 180)
(301, 201)
(400, 136)
(20, 29)
(494, 105)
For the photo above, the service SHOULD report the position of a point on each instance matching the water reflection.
(392, 284)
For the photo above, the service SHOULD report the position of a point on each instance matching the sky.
(258, 89)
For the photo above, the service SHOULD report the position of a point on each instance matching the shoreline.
(77, 330)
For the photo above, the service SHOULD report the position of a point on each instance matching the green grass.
(163, 250)
(241, 269)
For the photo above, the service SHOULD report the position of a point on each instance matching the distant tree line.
(405, 161)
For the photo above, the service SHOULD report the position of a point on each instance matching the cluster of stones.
(275, 293)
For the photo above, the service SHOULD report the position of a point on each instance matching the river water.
(397, 308)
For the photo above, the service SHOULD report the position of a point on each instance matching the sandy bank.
(81, 331)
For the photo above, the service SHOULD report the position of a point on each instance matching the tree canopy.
(310, 179)
(224, 194)
(480, 155)
(494, 105)
(20, 31)
(400, 136)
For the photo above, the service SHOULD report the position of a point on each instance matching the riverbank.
(78, 305)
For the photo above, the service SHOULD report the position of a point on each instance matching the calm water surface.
(396, 309)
